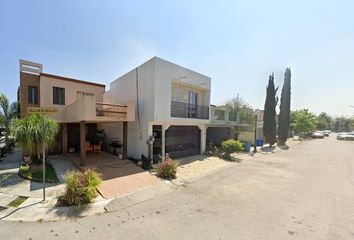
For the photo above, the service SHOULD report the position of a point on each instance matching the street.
(305, 192)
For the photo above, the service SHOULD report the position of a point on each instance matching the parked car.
(326, 133)
(318, 134)
(346, 136)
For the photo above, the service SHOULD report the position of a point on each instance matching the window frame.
(32, 92)
(56, 96)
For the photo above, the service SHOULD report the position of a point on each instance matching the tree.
(324, 121)
(303, 121)
(32, 131)
(238, 105)
(284, 114)
(343, 124)
(7, 113)
(269, 124)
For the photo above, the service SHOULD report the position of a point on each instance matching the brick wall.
(26, 80)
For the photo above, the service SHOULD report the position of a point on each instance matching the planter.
(26, 160)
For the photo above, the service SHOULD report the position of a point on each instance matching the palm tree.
(32, 131)
(7, 113)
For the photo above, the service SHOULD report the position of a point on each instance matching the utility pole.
(255, 133)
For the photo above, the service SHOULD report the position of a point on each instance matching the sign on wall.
(42, 110)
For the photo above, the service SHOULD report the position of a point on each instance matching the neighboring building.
(80, 106)
(246, 132)
(173, 105)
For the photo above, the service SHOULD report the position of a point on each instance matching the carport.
(182, 141)
(217, 134)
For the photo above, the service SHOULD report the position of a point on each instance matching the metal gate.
(182, 141)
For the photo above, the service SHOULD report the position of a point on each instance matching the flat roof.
(72, 80)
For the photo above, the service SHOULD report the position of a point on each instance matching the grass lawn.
(17, 202)
(35, 173)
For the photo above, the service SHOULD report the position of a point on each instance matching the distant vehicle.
(328, 132)
(346, 136)
(318, 134)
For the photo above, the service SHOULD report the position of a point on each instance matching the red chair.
(88, 147)
(97, 148)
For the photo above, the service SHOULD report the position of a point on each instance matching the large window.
(192, 104)
(32, 95)
(58, 96)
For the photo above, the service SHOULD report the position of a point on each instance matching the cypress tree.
(269, 124)
(284, 114)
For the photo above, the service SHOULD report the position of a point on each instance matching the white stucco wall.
(166, 73)
(155, 79)
(124, 89)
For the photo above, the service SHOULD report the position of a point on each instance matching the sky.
(237, 43)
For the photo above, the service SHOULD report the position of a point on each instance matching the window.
(192, 104)
(58, 96)
(32, 95)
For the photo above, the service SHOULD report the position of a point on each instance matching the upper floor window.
(58, 96)
(32, 95)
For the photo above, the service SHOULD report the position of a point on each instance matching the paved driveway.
(303, 193)
(119, 176)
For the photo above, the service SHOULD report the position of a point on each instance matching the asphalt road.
(305, 192)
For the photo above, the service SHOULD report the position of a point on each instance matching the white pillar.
(202, 138)
(163, 140)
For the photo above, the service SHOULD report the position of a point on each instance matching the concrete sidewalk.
(13, 186)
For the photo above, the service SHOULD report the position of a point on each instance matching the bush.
(231, 146)
(167, 169)
(81, 187)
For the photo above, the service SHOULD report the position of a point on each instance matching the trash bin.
(260, 142)
(247, 147)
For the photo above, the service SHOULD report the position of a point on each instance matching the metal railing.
(111, 110)
(186, 110)
(233, 116)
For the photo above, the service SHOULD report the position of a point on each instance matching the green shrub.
(231, 146)
(167, 169)
(81, 187)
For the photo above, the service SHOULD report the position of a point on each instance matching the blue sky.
(237, 43)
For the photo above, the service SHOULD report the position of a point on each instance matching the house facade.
(157, 100)
(173, 106)
(79, 107)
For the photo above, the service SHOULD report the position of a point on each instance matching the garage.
(215, 135)
(182, 141)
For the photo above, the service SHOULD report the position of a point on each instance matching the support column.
(82, 143)
(64, 138)
(163, 142)
(125, 140)
(203, 130)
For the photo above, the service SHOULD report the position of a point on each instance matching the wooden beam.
(125, 139)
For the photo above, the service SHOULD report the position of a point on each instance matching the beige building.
(81, 107)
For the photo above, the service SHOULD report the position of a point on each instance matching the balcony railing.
(111, 110)
(186, 110)
(233, 116)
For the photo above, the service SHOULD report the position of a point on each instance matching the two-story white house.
(173, 105)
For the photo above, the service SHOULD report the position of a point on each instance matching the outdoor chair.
(97, 148)
(88, 148)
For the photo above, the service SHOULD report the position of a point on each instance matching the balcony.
(223, 116)
(87, 109)
(186, 110)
